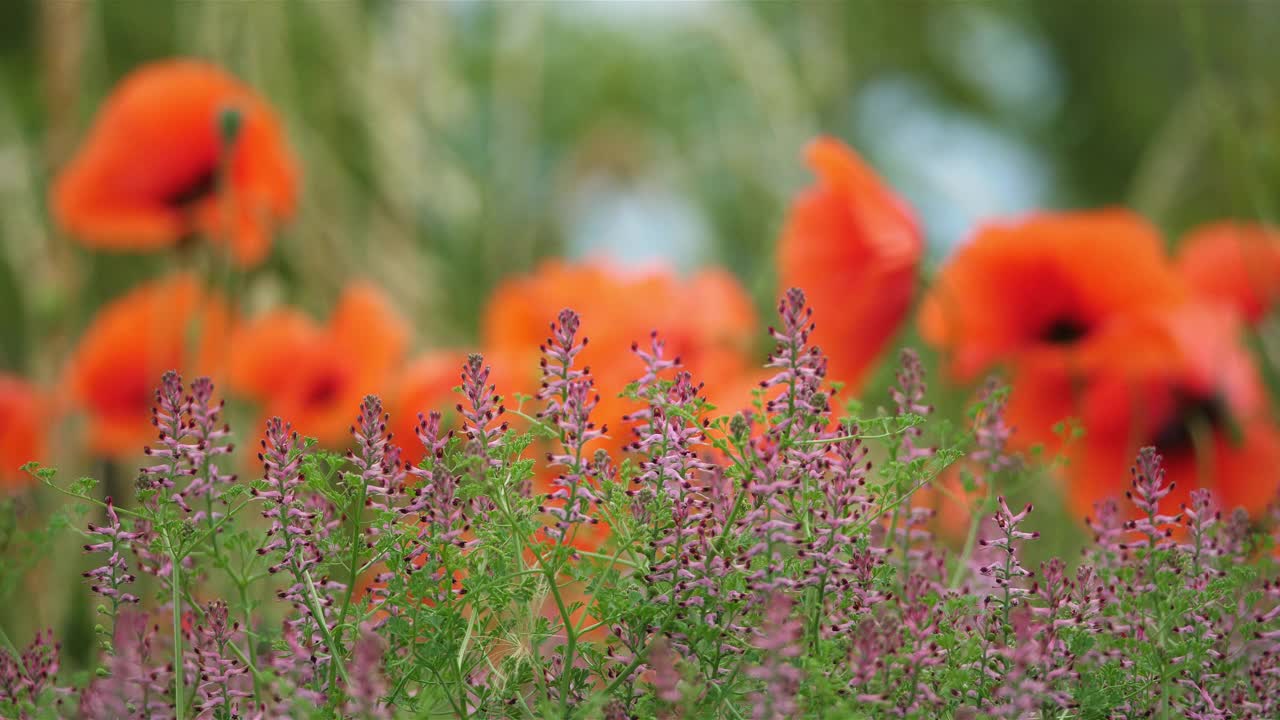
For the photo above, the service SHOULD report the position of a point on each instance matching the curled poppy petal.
(854, 248)
(156, 166)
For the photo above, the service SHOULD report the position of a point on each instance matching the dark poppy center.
(130, 395)
(194, 190)
(142, 398)
(1063, 330)
(323, 391)
(1192, 412)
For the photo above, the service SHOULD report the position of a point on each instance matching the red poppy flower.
(156, 166)
(707, 321)
(23, 421)
(854, 247)
(317, 375)
(1205, 410)
(1235, 263)
(169, 324)
(1047, 289)
(1047, 389)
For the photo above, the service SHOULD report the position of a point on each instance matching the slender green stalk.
(91, 500)
(313, 604)
(246, 656)
(175, 583)
(970, 543)
(354, 513)
(522, 544)
(855, 436)
(1008, 585)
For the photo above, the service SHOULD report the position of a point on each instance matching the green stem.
(615, 558)
(175, 583)
(313, 604)
(354, 513)
(857, 436)
(198, 540)
(906, 546)
(92, 500)
(624, 675)
(226, 691)
(892, 506)
(500, 501)
(457, 711)
(970, 542)
(247, 655)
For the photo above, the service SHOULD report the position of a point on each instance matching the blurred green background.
(445, 144)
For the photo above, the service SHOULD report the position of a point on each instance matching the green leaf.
(83, 486)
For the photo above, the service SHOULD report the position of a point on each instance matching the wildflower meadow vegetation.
(1033, 474)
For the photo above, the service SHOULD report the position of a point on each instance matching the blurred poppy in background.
(1048, 388)
(1047, 289)
(1237, 263)
(317, 375)
(179, 148)
(171, 323)
(24, 421)
(1204, 409)
(854, 247)
(706, 320)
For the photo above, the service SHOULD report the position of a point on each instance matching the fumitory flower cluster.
(770, 560)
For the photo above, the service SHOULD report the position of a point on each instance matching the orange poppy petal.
(366, 326)
(265, 347)
(725, 313)
(317, 376)
(854, 248)
(1236, 263)
(618, 308)
(23, 422)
